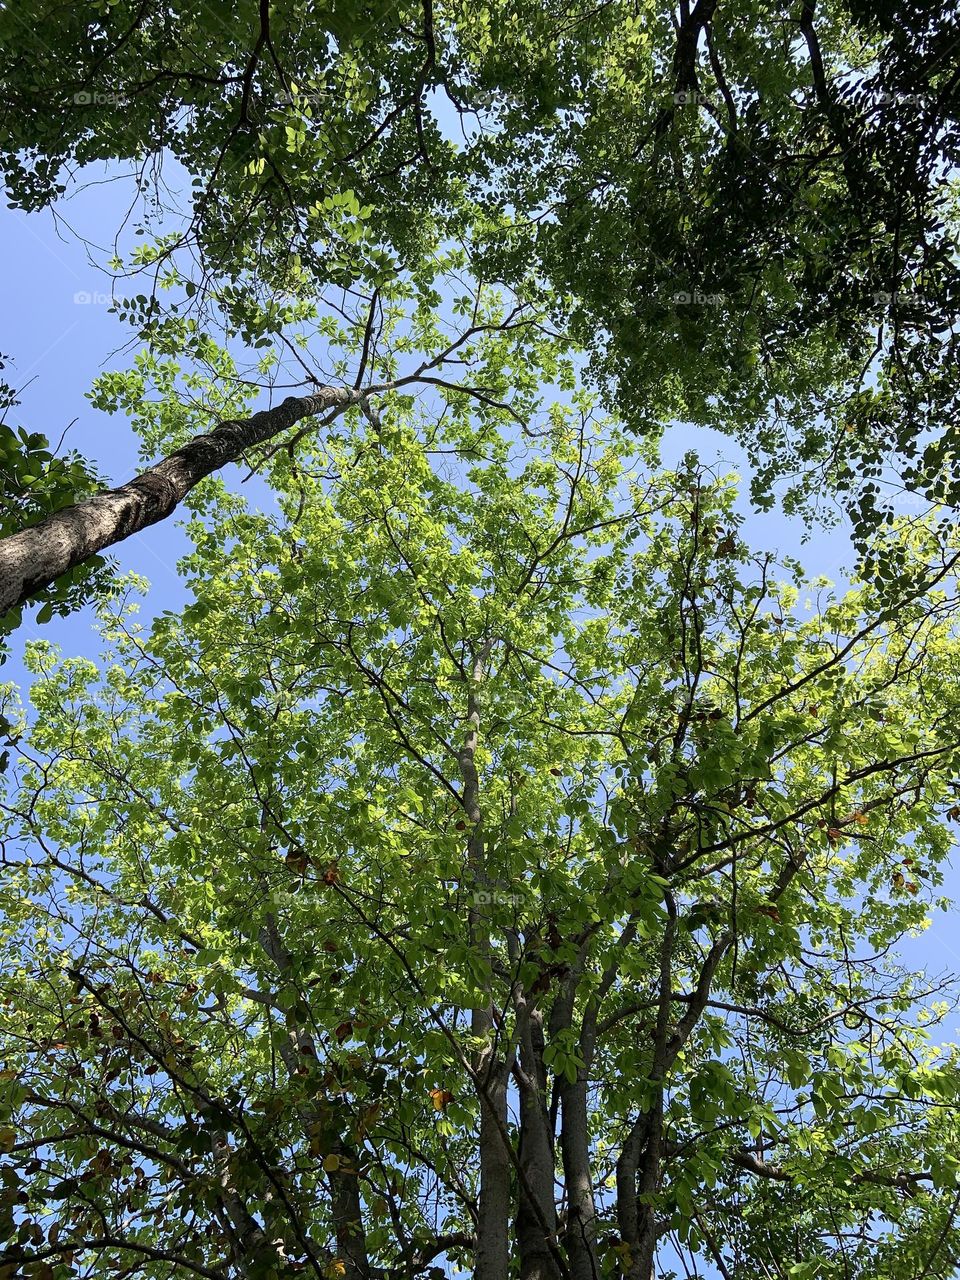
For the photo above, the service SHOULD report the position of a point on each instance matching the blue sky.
(59, 332)
(57, 343)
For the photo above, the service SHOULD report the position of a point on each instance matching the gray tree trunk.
(580, 1237)
(536, 1223)
(493, 1247)
(33, 558)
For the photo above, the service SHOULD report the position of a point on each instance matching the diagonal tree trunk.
(33, 558)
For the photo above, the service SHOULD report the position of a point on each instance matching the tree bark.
(248, 1239)
(639, 1167)
(628, 1208)
(493, 1248)
(492, 1260)
(33, 558)
(580, 1236)
(640, 1154)
(535, 1154)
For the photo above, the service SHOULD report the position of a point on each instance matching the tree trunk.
(250, 1244)
(628, 1207)
(347, 1209)
(580, 1236)
(538, 1209)
(33, 558)
(493, 1249)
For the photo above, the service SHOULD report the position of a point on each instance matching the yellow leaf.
(331, 1163)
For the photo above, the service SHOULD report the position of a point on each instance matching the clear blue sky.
(59, 343)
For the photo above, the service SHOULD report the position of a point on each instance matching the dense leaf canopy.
(742, 214)
(533, 735)
(496, 867)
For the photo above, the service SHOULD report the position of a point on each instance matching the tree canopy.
(470, 831)
(497, 866)
(747, 220)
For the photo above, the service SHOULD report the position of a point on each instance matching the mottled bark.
(347, 1208)
(33, 558)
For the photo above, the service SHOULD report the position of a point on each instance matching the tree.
(748, 223)
(494, 864)
(67, 537)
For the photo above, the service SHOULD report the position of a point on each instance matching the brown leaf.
(441, 1099)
